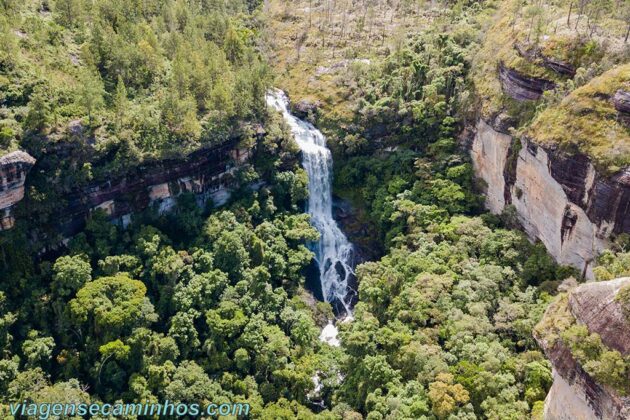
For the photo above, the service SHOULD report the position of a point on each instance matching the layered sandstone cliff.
(208, 173)
(560, 199)
(13, 170)
(575, 394)
(520, 87)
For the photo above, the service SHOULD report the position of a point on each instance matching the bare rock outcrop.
(560, 199)
(594, 305)
(621, 100)
(521, 87)
(13, 170)
(575, 394)
(208, 173)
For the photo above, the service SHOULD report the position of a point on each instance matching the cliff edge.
(585, 333)
(13, 170)
(552, 134)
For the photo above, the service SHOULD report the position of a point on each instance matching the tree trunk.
(310, 13)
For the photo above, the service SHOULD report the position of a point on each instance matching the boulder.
(306, 109)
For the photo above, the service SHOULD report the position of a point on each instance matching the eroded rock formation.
(521, 87)
(208, 173)
(559, 198)
(13, 170)
(621, 99)
(533, 53)
(575, 394)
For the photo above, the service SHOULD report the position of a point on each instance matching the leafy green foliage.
(448, 311)
(612, 265)
(153, 77)
(208, 305)
(605, 365)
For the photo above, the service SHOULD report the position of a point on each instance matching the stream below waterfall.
(334, 254)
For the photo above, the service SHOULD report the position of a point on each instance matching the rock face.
(560, 199)
(574, 394)
(13, 170)
(305, 110)
(208, 173)
(621, 101)
(594, 305)
(520, 87)
(567, 402)
(489, 153)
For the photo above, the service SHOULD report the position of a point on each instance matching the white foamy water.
(329, 335)
(333, 252)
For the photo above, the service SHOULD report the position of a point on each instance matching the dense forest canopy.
(148, 77)
(210, 304)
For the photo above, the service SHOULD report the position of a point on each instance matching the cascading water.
(333, 253)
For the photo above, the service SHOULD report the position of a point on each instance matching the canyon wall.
(559, 198)
(208, 173)
(13, 170)
(574, 393)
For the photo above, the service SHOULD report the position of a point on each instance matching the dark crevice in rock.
(569, 220)
(532, 149)
(509, 171)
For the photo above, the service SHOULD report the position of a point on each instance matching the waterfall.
(333, 253)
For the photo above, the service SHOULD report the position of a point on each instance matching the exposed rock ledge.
(533, 53)
(208, 173)
(621, 100)
(13, 170)
(521, 87)
(559, 199)
(574, 394)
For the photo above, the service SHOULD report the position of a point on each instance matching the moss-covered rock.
(587, 121)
